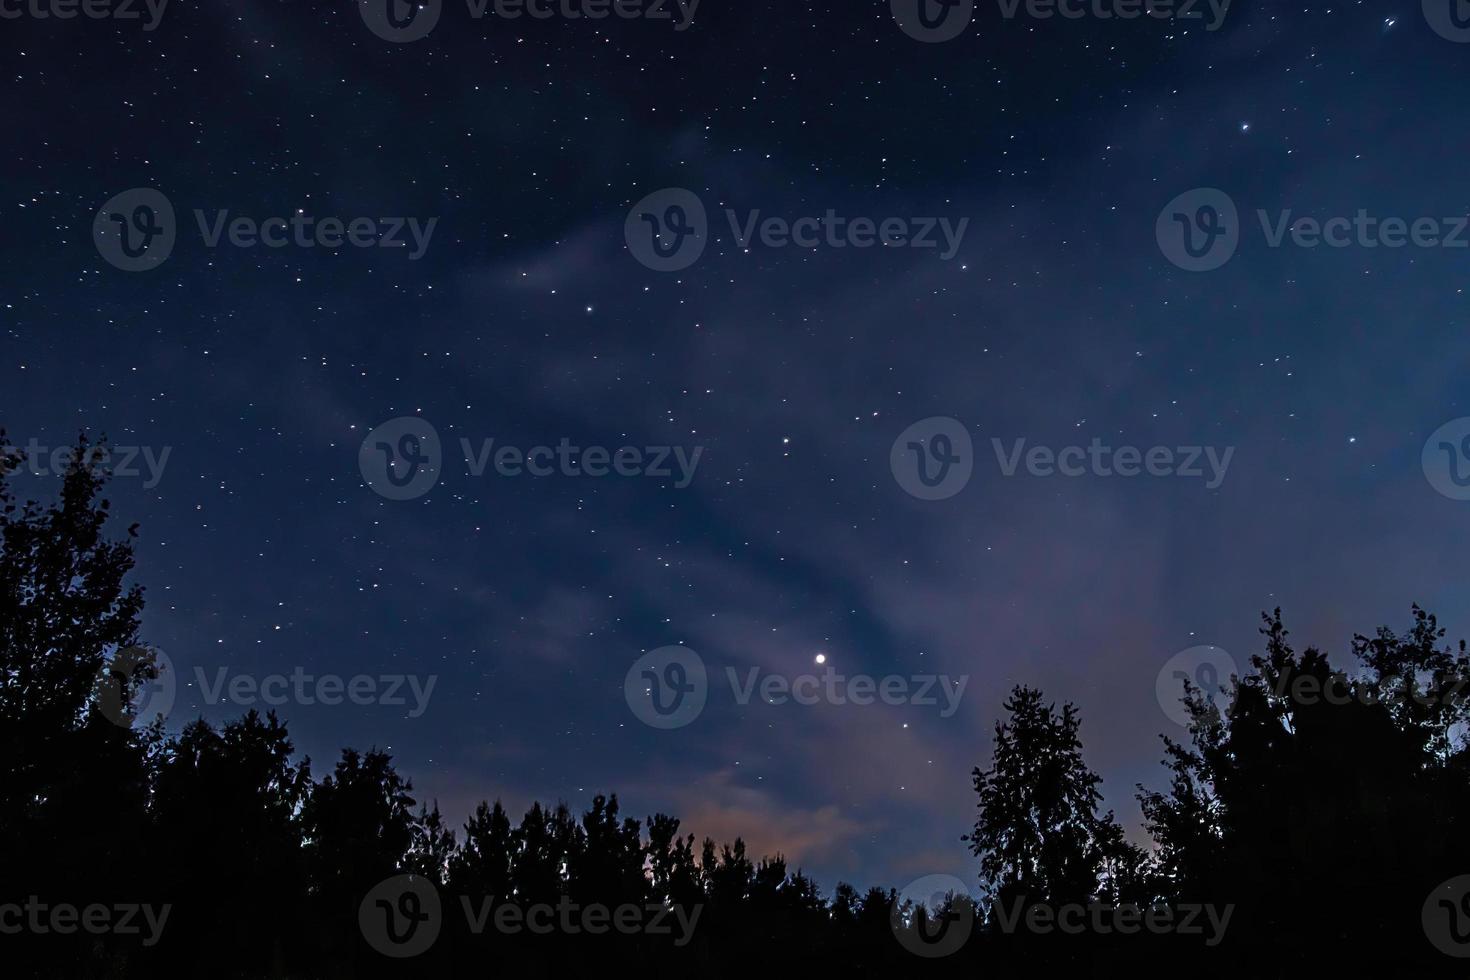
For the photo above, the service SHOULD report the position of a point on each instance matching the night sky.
(1058, 319)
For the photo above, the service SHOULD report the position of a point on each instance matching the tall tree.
(608, 867)
(1315, 785)
(359, 825)
(74, 792)
(1038, 833)
(227, 809)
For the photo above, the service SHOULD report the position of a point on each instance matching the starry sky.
(1058, 320)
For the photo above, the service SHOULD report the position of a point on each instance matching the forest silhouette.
(1314, 819)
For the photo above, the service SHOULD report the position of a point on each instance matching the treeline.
(1300, 831)
(250, 865)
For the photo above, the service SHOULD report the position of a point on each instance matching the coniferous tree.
(608, 865)
(1038, 834)
(674, 875)
(481, 865)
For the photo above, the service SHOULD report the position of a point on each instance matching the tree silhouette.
(1314, 786)
(674, 876)
(1322, 807)
(359, 824)
(227, 809)
(608, 863)
(75, 789)
(433, 846)
(482, 865)
(1038, 833)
